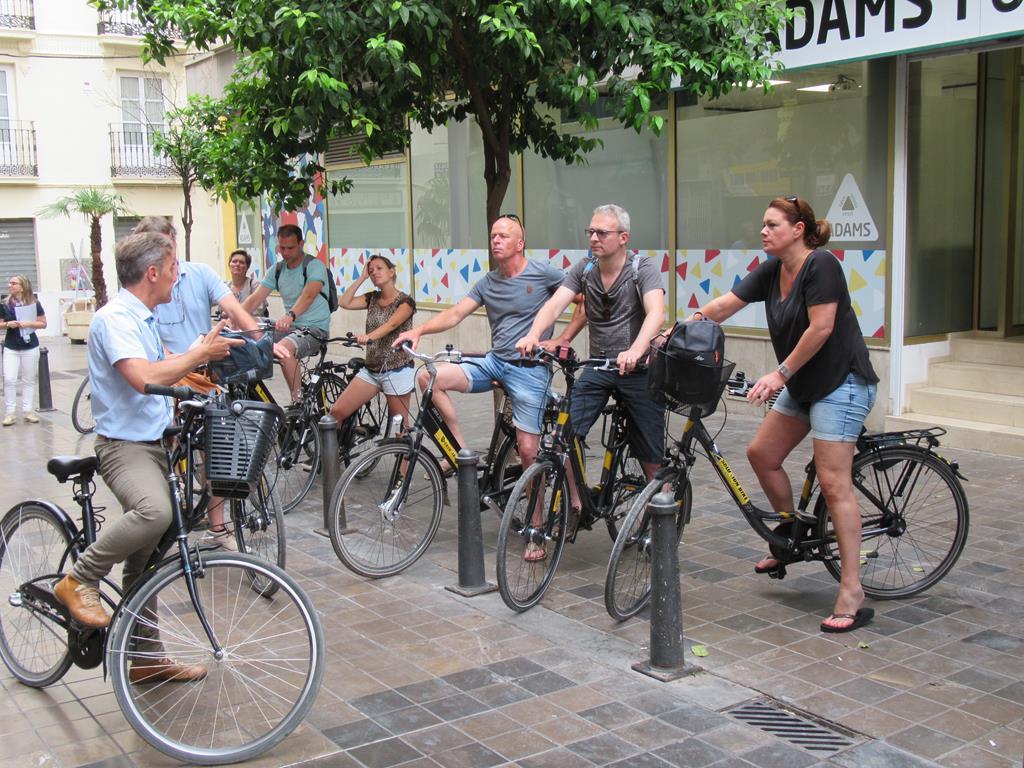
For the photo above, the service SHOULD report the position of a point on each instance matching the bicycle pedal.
(778, 573)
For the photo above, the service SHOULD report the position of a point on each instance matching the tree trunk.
(186, 217)
(497, 175)
(99, 283)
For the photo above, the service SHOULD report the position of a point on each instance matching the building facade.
(78, 109)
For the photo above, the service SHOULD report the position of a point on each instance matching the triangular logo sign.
(849, 215)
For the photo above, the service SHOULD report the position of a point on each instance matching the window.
(142, 117)
(375, 213)
(7, 150)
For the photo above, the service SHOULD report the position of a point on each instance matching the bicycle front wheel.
(81, 409)
(914, 521)
(371, 423)
(630, 480)
(33, 543)
(379, 523)
(530, 537)
(298, 460)
(258, 687)
(627, 584)
(259, 530)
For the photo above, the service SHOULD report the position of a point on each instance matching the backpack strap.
(634, 262)
(306, 258)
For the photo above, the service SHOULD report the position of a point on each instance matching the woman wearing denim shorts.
(388, 369)
(825, 381)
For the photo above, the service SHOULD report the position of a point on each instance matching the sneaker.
(223, 538)
(9, 420)
(31, 417)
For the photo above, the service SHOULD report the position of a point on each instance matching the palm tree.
(94, 204)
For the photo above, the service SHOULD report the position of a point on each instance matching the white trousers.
(20, 364)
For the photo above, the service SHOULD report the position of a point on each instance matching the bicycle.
(543, 490)
(264, 649)
(298, 445)
(81, 408)
(914, 513)
(387, 506)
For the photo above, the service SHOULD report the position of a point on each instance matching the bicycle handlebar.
(178, 393)
(447, 355)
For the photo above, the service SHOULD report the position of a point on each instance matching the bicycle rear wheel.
(254, 693)
(915, 500)
(523, 574)
(298, 459)
(258, 522)
(627, 584)
(379, 525)
(33, 543)
(81, 409)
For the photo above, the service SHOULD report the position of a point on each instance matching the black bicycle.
(81, 409)
(263, 648)
(387, 506)
(535, 525)
(914, 512)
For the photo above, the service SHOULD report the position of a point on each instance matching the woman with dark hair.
(825, 381)
(242, 284)
(21, 348)
(388, 369)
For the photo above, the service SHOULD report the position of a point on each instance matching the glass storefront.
(375, 213)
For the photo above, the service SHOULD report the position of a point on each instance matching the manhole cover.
(801, 730)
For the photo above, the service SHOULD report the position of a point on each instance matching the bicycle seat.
(356, 363)
(65, 467)
(172, 431)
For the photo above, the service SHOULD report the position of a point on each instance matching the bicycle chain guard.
(85, 645)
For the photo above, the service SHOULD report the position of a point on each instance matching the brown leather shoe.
(83, 602)
(164, 670)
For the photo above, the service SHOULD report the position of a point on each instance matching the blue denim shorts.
(527, 387)
(398, 381)
(837, 417)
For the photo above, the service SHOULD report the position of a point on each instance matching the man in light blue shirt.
(125, 354)
(302, 285)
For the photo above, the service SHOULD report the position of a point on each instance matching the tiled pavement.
(417, 676)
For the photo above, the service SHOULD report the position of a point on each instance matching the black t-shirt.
(820, 281)
(14, 340)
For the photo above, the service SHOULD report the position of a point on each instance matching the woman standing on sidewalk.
(388, 369)
(21, 347)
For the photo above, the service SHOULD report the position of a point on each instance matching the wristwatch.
(292, 315)
(784, 370)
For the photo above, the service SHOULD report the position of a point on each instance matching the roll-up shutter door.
(18, 250)
(123, 225)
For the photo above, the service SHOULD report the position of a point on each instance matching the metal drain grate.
(796, 729)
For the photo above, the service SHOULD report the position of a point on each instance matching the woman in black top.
(21, 348)
(826, 380)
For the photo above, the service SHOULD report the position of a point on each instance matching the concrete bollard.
(471, 540)
(328, 427)
(45, 395)
(666, 662)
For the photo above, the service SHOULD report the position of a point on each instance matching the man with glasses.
(511, 294)
(625, 307)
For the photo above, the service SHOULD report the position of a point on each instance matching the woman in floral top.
(388, 370)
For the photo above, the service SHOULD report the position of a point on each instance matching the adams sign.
(842, 30)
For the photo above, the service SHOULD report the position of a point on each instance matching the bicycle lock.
(666, 661)
(471, 539)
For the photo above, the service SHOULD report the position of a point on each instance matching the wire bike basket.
(239, 439)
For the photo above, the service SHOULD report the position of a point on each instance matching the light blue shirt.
(124, 329)
(290, 287)
(187, 315)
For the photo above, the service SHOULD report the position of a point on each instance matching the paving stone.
(515, 668)
(605, 748)
(690, 753)
(545, 682)
(469, 679)
(997, 641)
(454, 707)
(779, 755)
(406, 719)
(428, 690)
(379, 703)
(469, 756)
(877, 754)
(612, 715)
(384, 754)
(356, 734)
(694, 719)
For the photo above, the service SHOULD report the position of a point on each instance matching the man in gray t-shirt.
(625, 307)
(511, 295)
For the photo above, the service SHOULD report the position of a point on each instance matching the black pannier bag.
(690, 369)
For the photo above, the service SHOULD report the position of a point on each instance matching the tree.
(313, 71)
(94, 204)
(185, 142)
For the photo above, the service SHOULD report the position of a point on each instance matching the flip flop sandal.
(534, 553)
(859, 619)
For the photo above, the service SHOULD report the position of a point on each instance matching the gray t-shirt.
(512, 303)
(614, 318)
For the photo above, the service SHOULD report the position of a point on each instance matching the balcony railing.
(17, 14)
(125, 23)
(132, 152)
(17, 149)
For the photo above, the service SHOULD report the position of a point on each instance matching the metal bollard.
(45, 396)
(471, 540)
(328, 427)
(666, 662)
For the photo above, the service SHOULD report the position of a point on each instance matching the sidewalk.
(418, 676)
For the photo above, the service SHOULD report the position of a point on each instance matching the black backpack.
(332, 290)
(690, 369)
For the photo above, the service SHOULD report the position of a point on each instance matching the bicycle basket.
(239, 439)
(681, 383)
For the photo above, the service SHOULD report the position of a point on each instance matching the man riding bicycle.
(126, 354)
(625, 306)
